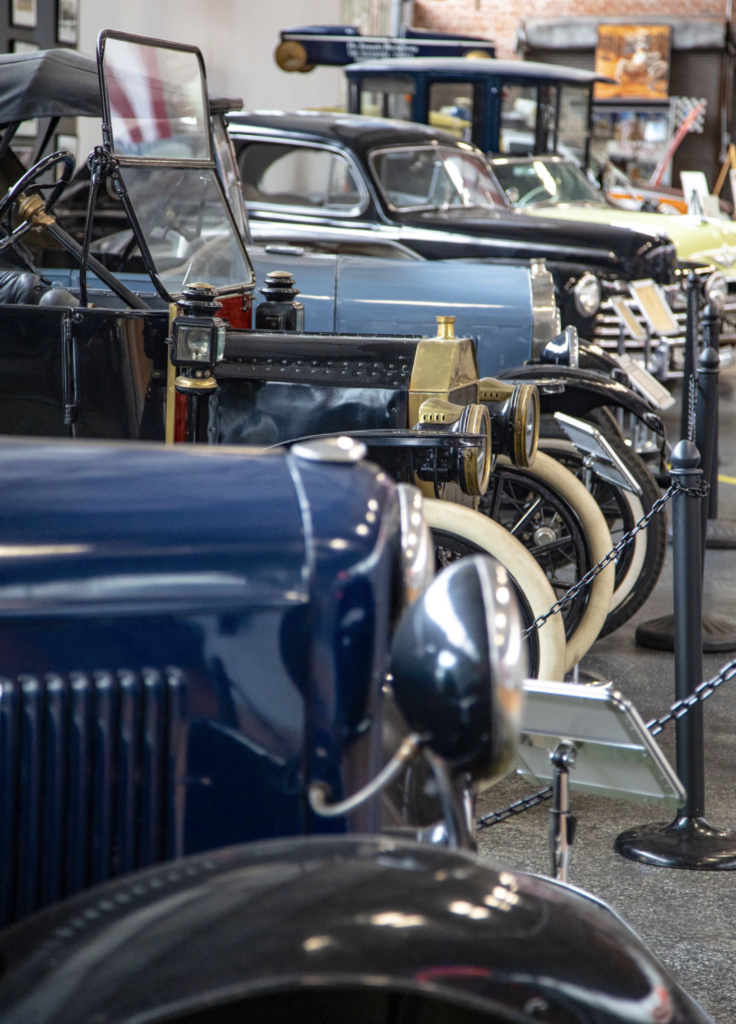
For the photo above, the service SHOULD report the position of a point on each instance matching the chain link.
(692, 387)
(518, 807)
(698, 492)
(701, 692)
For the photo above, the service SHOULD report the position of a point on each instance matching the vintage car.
(555, 187)
(311, 175)
(565, 532)
(302, 49)
(567, 519)
(196, 643)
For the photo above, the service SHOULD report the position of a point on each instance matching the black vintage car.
(311, 175)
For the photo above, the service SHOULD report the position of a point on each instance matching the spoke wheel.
(459, 531)
(448, 547)
(549, 529)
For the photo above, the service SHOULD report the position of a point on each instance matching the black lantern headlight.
(564, 350)
(514, 412)
(473, 461)
(197, 341)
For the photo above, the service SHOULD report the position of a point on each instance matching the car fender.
(585, 390)
(292, 918)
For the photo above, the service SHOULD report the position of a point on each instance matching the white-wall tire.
(489, 536)
(599, 539)
(639, 552)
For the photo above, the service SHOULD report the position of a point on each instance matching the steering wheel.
(11, 197)
(531, 196)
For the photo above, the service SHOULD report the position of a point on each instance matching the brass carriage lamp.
(197, 345)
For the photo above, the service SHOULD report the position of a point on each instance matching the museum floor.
(687, 918)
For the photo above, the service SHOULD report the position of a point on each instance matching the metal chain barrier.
(678, 710)
(615, 551)
(692, 390)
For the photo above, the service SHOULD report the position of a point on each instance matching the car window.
(517, 134)
(572, 122)
(545, 181)
(455, 107)
(387, 97)
(298, 176)
(434, 177)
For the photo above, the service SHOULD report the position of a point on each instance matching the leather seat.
(20, 287)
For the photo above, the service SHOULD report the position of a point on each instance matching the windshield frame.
(122, 161)
(464, 149)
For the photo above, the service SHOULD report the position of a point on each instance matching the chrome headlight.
(564, 350)
(525, 420)
(587, 294)
(476, 460)
(545, 314)
(716, 289)
(417, 546)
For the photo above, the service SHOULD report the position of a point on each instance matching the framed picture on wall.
(24, 12)
(67, 22)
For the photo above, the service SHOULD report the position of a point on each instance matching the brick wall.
(499, 19)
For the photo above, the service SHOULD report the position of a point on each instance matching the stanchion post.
(691, 342)
(706, 428)
(688, 841)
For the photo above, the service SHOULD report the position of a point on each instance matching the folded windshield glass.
(157, 103)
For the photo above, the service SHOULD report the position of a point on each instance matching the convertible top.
(49, 83)
(60, 83)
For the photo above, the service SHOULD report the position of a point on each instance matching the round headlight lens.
(477, 420)
(417, 547)
(526, 424)
(587, 294)
(716, 289)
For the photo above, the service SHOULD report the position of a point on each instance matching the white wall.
(237, 39)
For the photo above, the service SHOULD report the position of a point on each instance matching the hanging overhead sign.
(637, 57)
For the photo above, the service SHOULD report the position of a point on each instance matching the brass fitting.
(446, 328)
(193, 385)
(492, 390)
(439, 410)
(33, 209)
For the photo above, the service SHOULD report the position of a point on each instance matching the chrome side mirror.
(458, 667)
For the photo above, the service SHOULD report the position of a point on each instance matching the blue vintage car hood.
(86, 525)
(356, 913)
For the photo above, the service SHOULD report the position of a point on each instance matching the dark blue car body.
(189, 636)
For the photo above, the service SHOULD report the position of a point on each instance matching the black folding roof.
(60, 83)
(48, 83)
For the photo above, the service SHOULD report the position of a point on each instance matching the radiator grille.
(465, 395)
(90, 767)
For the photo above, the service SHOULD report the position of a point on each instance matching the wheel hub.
(544, 535)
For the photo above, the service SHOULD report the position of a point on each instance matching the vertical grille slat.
(92, 776)
(9, 769)
(154, 758)
(55, 765)
(30, 803)
(78, 818)
(103, 755)
(129, 735)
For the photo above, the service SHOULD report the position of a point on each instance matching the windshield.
(157, 102)
(435, 178)
(545, 181)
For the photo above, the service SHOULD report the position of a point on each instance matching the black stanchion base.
(689, 843)
(720, 533)
(659, 634)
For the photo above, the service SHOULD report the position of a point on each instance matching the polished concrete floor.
(688, 918)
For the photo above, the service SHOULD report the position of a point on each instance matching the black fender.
(585, 390)
(304, 922)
